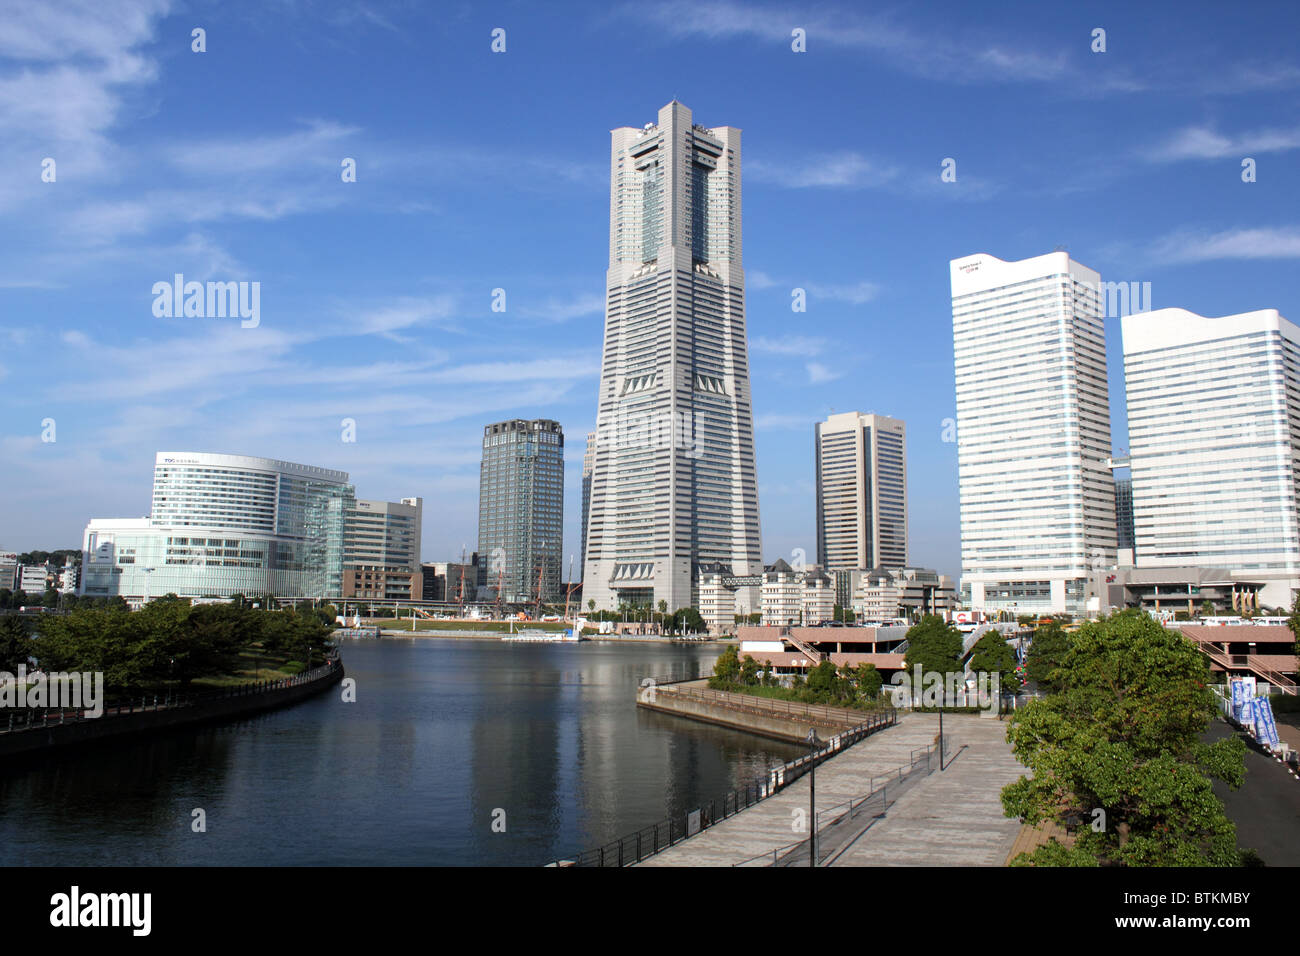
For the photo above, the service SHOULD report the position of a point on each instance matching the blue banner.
(1238, 699)
(1265, 728)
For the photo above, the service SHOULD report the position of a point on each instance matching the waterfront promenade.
(953, 817)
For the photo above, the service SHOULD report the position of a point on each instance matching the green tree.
(869, 681)
(993, 655)
(1046, 653)
(1122, 736)
(934, 645)
(749, 672)
(15, 642)
(824, 682)
(688, 619)
(726, 669)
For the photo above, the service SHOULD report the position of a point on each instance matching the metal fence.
(36, 718)
(877, 798)
(648, 841)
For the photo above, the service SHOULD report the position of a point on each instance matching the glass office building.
(223, 525)
(521, 509)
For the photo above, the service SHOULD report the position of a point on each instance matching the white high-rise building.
(861, 491)
(1033, 431)
(223, 525)
(673, 488)
(1214, 442)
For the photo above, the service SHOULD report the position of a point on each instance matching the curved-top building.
(223, 525)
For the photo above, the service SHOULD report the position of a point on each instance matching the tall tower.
(1214, 438)
(673, 485)
(1033, 431)
(521, 508)
(861, 492)
(588, 463)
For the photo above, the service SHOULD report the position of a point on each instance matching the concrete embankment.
(237, 702)
(778, 719)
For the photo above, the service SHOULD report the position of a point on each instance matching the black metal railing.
(36, 718)
(646, 842)
(882, 790)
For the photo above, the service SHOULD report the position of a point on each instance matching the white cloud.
(854, 294)
(842, 169)
(965, 59)
(580, 365)
(798, 345)
(562, 310)
(1258, 243)
(1201, 142)
(819, 374)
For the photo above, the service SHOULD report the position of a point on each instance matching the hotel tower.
(1033, 431)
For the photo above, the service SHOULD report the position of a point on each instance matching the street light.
(814, 742)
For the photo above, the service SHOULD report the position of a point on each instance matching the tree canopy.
(935, 645)
(1122, 736)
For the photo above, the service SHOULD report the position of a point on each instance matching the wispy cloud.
(969, 59)
(853, 294)
(562, 310)
(1202, 142)
(1248, 243)
(795, 345)
(819, 374)
(843, 169)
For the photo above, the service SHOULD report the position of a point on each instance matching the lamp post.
(814, 744)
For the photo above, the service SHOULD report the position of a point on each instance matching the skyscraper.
(588, 463)
(1214, 443)
(673, 485)
(1033, 431)
(861, 465)
(521, 508)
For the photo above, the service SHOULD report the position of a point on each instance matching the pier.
(933, 818)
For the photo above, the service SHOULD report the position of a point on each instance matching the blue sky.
(479, 170)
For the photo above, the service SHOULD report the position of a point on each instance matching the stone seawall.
(111, 726)
(756, 715)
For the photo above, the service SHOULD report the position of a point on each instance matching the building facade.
(588, 465)
(673, 487)
(381, 549)
(861, 463)
(521, 509)
(1033, 431)
(224, 525)
(1214, 444)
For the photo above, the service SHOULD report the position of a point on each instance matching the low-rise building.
(34, 579)
(793, 650)
(1170, 590)
(886, 594)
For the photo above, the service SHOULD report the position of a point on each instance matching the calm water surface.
(443, 734)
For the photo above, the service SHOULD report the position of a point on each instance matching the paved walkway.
(954, 817)
(1266, 809)
(961, 800)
